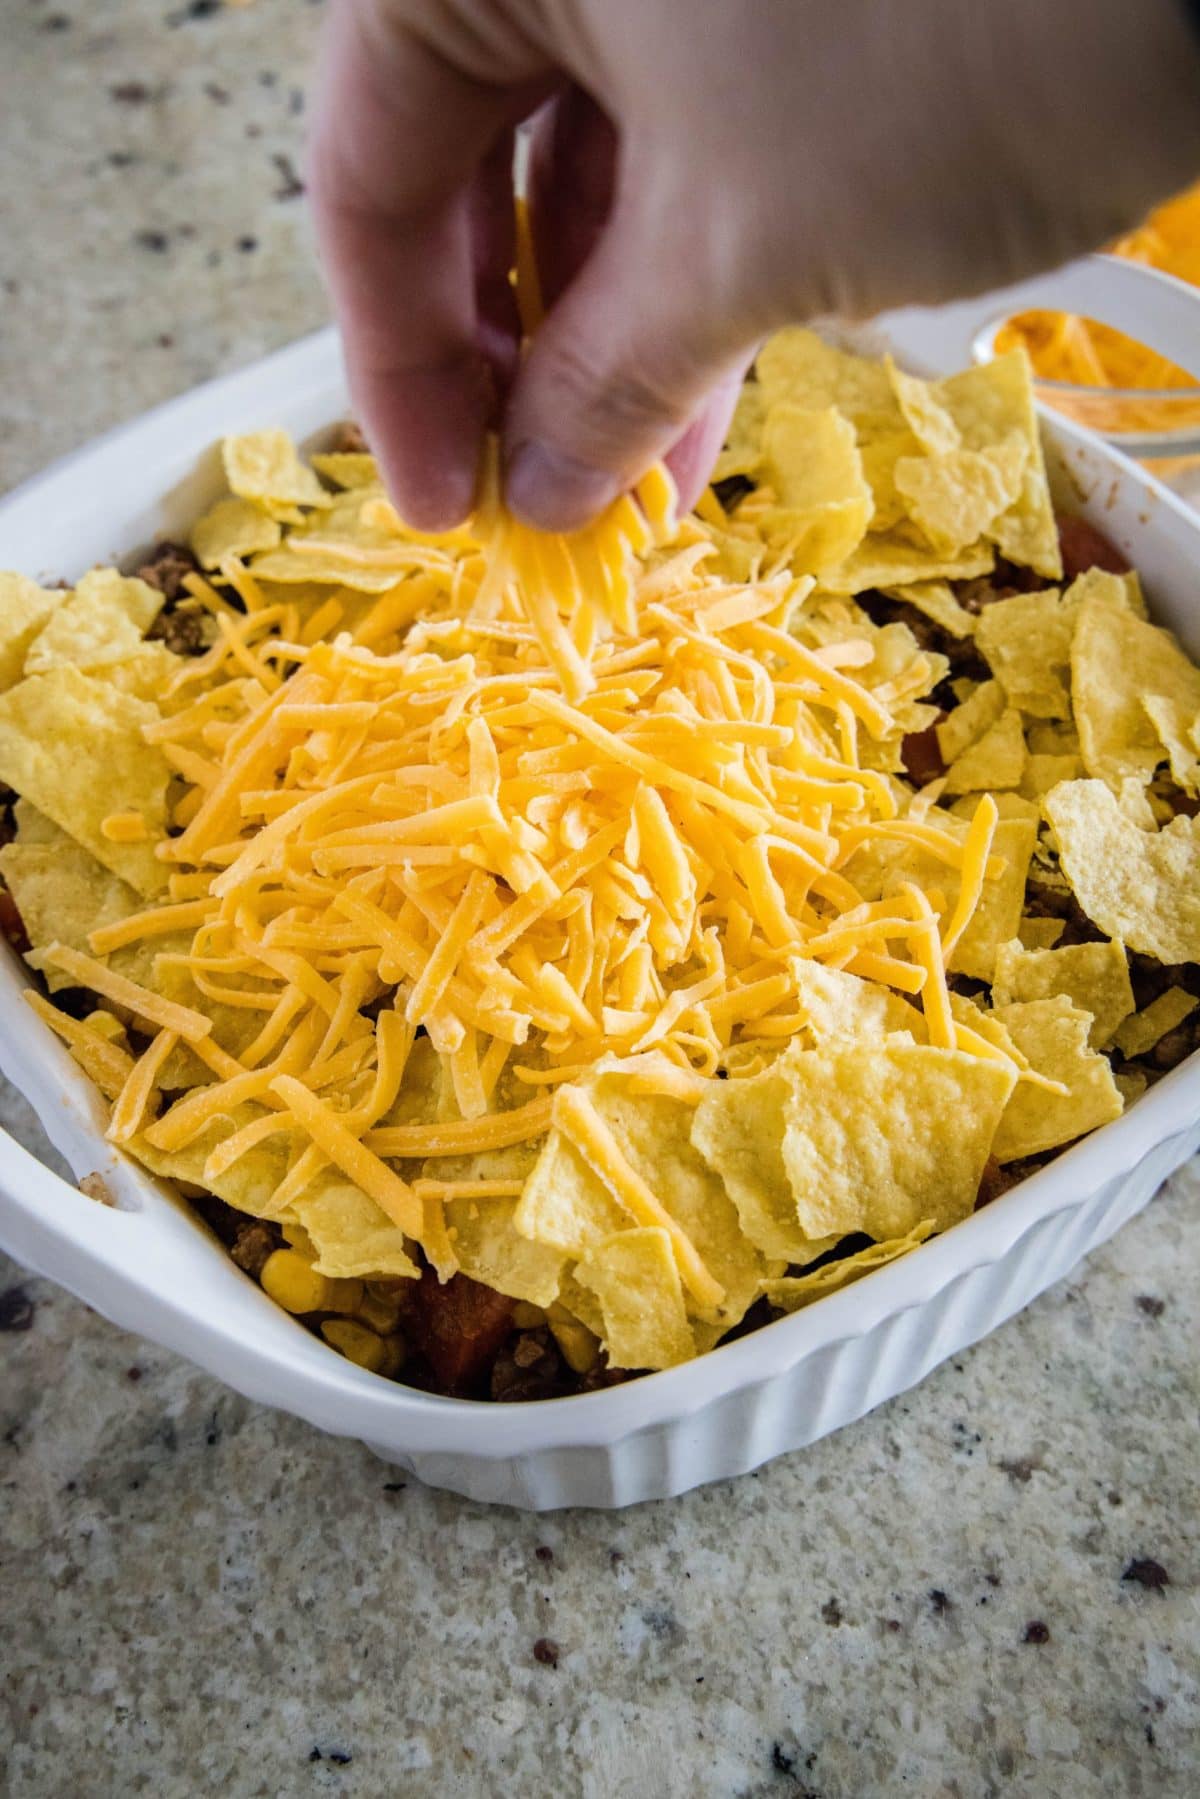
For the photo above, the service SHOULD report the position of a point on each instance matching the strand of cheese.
(85, 971)
(135, 1096)
(329, 1134)
(106, 1063)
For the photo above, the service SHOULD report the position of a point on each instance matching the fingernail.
(554, 491)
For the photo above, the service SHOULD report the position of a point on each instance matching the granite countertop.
(989, 1586)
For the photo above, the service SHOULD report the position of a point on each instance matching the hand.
(702, 171)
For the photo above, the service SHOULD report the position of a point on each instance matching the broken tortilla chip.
(1141, 887)
(1053, 1035)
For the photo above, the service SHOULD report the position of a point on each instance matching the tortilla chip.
(881, 867)
(488, 1248)
(145, 674)
(1001, 902)
(1041, 933)
(101, 622)
(634, 1277)
(62, 894)
(24, 609)
(1141, 887)
(1044, 772)
(837, 1004)
(796, 365)
(233, 527)
(970, 720)
(881, 445)
(880, 1142)
(563, 1206)
(935, 599)
(350, 1235)
(1026, 641)
(791, 1292)
(995, 762)
(1139, 1034)
(1094, 976)
(566, 1207)
(1178, 731)
(1053, 1035)
(247, 1185)
(955, 498)
(1131, 1084)
(1008, 805)
(1118, 663)
(263, 465)
(988, 404)
(738, 1128)
(287, 566)
(1046, 737)
(813, 464)
(73, 746)
(889, 559)
(742, 454)
(347, 468)
(481, 1233)
(33, 826)
(930, 423)
(1134, 801)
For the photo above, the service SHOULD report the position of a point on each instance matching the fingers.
(493, 232)
(572, 178)
(618, 371)
(691, 458)
(398, 138)
(571, 185)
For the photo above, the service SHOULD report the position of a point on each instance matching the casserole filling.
(541, 958)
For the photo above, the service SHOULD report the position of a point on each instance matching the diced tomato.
(922, 756)
(11, 922)
(1084, 547)
(458, 1328)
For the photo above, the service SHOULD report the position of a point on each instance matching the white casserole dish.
(151, 1268)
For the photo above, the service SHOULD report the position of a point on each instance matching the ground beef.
(1057, 902)
(187, 628)
(732, 490)
(253, 1244)
(960, 652)
(921, 755)
(530, 1367)
(600, 1375)
(348, 439)
(166, 567)
(1176, 1046)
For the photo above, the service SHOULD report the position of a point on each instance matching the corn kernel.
(395, 1354)
(527, 1317)
(363, 1347)
(294, 1283)
(383, 1315)
(579, 1347)
(344, 1296)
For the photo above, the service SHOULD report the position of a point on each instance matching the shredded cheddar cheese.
(561, 797)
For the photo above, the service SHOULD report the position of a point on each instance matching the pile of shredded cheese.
(550, 800)
(1064, 347)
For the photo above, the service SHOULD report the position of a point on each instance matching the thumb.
(619, 369)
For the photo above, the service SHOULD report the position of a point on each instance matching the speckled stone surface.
(199, 1596)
